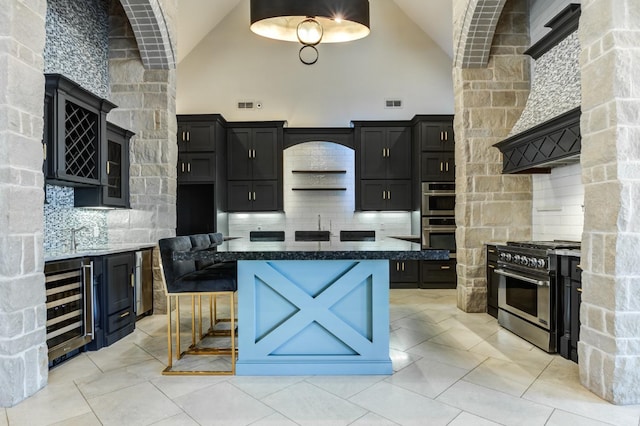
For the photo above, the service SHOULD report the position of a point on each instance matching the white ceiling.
(196, 18)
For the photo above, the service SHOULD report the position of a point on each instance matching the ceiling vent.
(393, 103)
(245, 105)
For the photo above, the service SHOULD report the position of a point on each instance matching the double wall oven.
(438, 216)
(528, 290)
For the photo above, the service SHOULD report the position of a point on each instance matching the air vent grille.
(393, 103)
(245, 105)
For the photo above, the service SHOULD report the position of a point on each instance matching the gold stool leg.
(178, 353)
(169, 335)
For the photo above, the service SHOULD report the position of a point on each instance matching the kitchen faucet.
(73, 236)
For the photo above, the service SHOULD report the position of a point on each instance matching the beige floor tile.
(53, 404)
(534, 357)
(404, 338)
(104, 383)
(468, 419)
(427, 377)
(503, 376)
(4, 421)
(400, 359)
(562, 418)
(276, 419)
(223, 404)
(496, 406)
(142, 404)
(79, 366)
(457, 338)
(262, 386)
(177, 386)
(413, 323)
(371, 419)
(88, 419)
(181, 419)
(306, 404)
(118, 355)
(448, 355)
(344, 386)
(404, 407)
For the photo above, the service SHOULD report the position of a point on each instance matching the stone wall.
(609, 347)
(146, 104)
(23, 351)
(488, 101)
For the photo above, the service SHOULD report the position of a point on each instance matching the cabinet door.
(437, 136)
(116, 192)
(119, 274)
(239, 154)
(492, 281)
(373, 145)
(437, 166)
(239, 196)
(196, 136)
(196, 167)
(196, 209)
(265, 153)
(398, 158)
(373, 194)
(404, 273)
(264, 195)
(438, 274)
(398, 195)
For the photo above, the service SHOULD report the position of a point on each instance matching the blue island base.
(313, 317)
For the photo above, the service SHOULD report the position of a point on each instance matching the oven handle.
(541, 283)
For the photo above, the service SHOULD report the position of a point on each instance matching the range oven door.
(528, 297)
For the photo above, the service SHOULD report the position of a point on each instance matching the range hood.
(548, 131)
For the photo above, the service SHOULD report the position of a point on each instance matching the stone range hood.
(548, 131)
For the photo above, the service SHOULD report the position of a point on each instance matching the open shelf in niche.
(320, 172)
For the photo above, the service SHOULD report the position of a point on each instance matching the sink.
(313, 236)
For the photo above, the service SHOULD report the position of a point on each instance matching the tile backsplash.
(306, 209)
(60, 217)
(558, 201)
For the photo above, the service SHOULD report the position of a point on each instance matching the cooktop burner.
(545, 245)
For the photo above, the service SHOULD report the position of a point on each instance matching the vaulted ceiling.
(196, 19)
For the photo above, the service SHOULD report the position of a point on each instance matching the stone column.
(609, 347)
(146, 103)
(488, 102)
(23, 349)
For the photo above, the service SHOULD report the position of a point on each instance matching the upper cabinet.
(254, 166)
(115, 193)
(75, 133)
(198, 139)
(434, 135)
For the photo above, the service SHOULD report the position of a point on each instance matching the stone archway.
(152, 33)
(475, 35)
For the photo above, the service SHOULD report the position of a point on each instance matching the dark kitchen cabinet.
(492, 280)
(436, 135)
(437, 167)
(438, 274)
(75, 133)
(196, 167)
(198, 136)
(115, 193)
(385, 153)
(114, 298)
(254, 167)
(385, 194)
(249, 196)
(404, 273)
(570, 297)
(197, 209)
(254, 153)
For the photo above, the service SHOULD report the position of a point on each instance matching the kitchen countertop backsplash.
(61, 217)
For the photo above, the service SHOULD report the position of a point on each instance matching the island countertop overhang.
(386, 249)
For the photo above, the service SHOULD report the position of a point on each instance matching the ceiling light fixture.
(310, 22)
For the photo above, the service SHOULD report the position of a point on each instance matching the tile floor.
(451, 368)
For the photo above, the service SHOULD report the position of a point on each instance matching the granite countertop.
(567, 252)
(50, 256)
(386, 248)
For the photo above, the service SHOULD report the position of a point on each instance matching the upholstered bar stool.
(183, 279)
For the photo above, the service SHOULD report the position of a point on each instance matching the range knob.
(541, 263)
(508, 256)
(516, 258)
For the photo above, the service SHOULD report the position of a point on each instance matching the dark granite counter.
(386, 248)
(50, 256)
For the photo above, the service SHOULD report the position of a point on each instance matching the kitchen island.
(313, 307)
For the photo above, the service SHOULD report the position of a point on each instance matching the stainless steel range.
(527, 291)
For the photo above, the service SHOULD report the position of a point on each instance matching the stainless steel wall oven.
(438, 198)
(439, 232)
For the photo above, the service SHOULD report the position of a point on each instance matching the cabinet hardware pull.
(182, 167)
(384, 152)
(579, 290)
(44, 152)
(447, 166)
(188, 136)
(441, 136)
(445, 267)
(402, 266)
(388, 195)
(397, 266)
(579, 266)
(254, 195)
(182, 136)
(446, 135)
(248, 153)
(254, 153)
(188, 167)
(441, 167)
(249, 195)
(133, 280)
(491, 251)
(492, 267)
(126, 314)
(108, 168)
(384, 195)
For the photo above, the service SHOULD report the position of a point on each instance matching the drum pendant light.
(310, 22)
